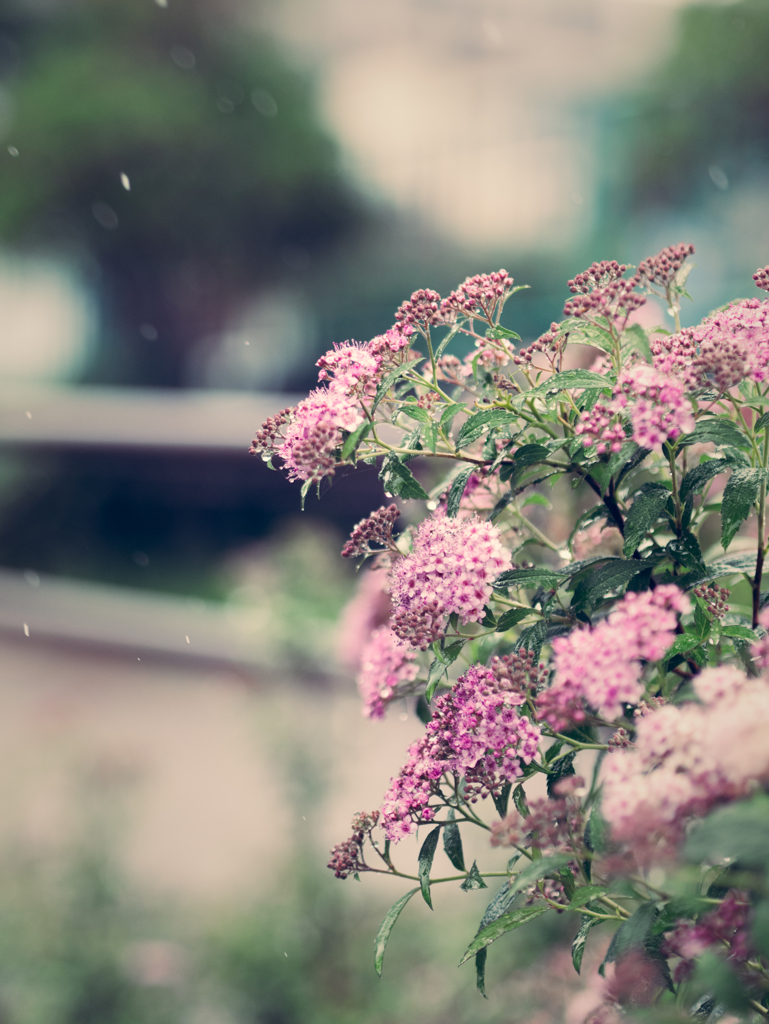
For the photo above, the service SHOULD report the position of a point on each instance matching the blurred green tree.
(175, 149)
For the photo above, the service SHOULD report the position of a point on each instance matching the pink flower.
(385, 665)
(601, 666)
(350, 368)
(660, 411)
(368, 609)
(475, 733)
(314, 433)
(449, 571)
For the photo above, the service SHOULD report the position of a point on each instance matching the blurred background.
(198, 198)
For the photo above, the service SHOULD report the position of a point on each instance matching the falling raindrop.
(28, 414)
(26, 629)
(104, 216)
(148, 331)
(264, 103)
(718, 177)
(125, 181)
(183, 58)
(225, 104)
(13, 151)
(162, 3)
(32, 577)
(187, 639)
(141, 558)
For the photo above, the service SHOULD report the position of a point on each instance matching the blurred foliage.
(707, 105)
(232, 181)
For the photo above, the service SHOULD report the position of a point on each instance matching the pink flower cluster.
(724, 349)
(385, 665)
(313, 433)
(601, 666)
(475, 732)
(449, 571)
(350, 368)
(478, 296)
(658, 408)
(369, 608)
(687, 759)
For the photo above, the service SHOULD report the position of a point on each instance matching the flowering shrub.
(601, 711)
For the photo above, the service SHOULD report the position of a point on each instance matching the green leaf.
(450, 412)
(644, 513)
(580, 940)
(536, 499)
(398, 479)
(570, 379)
(718, 430)
(762, 422)
(502, 799)
(386, 927)
(536, 576)
(685, 551)
(561, 769)
(388, 381)
(539, 869)
(526, 455)
(740, 631)
(760, 929)
(456, 491)
(480, 422)
(499, 905)
(635, 337)
(354, 439)
(416, 412)
(632, 934)
(585, 894)
(740, 493)
(431, 435)
(511, 618)
(682, 645)
(473, 880)
(520, 801)
(718, 978)
(502, 925)
(498, 333)
(597, 832)
(305, 488)
(480, 970)
(452, 843)
(696, 478)
(532, 638)
(739, 831)
(611, 576)
(426, 854)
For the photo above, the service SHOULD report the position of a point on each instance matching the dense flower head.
(449, 571)
(349, 368)
(396, 339)
(662, 268)
(601, 666)
(602, 426)
(688, 758)
(314, 433)
(602, 291)
(269, 431)
(374, 529)
(659, 411)
(386, 667)
(715, 599)
(475, 733)
(422, 309)
(347, 857)
(478, 295)
(551, 343)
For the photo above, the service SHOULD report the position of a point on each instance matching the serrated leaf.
(741, 631)
(520, 801)
(498, 333)
(610, 576)
(532, 638)
(456, 491)
(717, 430)
(740, 494)
(762, 422)
(500, 904)
(506, 923)
(525, 456)
(480, 970)
(561, 769)
(416, 412)
(354, 439)
(473, 880)
(511, 618)
(685, 551)
(386, 927)
(480, 422)
(644, 513)
(431, 435)
(633, 934)
(452, 843)
(426, 854)
(580, 941)
(533, 577)
(398, 479)
(569, 379)
(682, 645)
(585, 894)
(450, 412)
(539, 869)
(696, 478)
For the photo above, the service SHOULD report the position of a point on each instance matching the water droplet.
(31, 577)
(26, 629)
(285, 954)
(403, 716)
(264, 103)
(13, 151)
(246, 342)
(28, 414)
(125, 181)
(432, 505)
(183, 58)
(187, 639)
(138, 659)
(104, 216)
